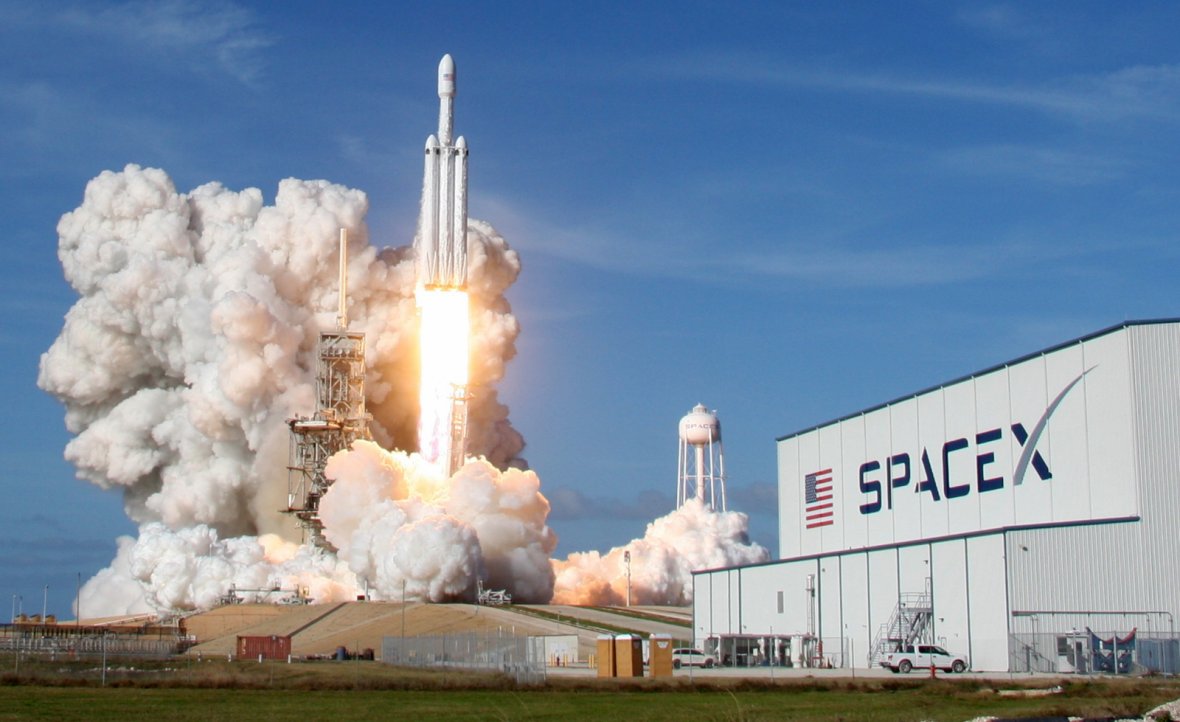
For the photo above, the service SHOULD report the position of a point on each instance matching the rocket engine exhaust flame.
(443, 344)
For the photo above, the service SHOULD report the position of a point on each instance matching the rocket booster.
(442, 228)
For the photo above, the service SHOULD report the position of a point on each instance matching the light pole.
(1036, 633)
(627, 561)
(44, 603)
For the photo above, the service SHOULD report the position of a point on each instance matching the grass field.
(184, 690)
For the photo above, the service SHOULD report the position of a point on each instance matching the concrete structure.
(1003, 515)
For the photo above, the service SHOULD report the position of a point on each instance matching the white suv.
(925, 657)
(685, 657)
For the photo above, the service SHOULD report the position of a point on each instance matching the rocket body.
(442, 228)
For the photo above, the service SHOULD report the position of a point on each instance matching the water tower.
(701, 468)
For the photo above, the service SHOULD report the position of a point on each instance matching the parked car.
(686, 657)
(924, 656)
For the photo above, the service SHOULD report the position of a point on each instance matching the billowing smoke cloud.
(691, 537)
(194, 340)
(192, 568)
(481, 523)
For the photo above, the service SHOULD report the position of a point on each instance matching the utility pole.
(627, 561)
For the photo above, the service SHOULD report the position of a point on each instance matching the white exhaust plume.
(446, 532)
(691, 537)
(195, 339)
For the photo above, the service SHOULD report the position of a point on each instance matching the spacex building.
(1026, 517)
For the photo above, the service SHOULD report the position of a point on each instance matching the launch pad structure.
(339, 419)
(458, 445)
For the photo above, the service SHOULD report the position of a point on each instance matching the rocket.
(442, 237)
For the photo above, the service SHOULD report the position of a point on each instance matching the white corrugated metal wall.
(857, 592)
(1128, 566)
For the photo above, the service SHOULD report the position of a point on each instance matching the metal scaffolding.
(909, 624)
(339, 420)
(458, 445)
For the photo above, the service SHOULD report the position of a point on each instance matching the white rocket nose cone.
(446, 77)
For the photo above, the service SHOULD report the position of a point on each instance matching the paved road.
(768, 673)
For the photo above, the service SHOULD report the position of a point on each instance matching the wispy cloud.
(221, 34)
(1000, 20)
(528, 230)
(838, 263)
(570, 504)
(41, 124)
(1151, 92)
(893, 265)
(1049, 165)
(759, 498)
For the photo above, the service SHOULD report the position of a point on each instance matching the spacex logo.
(880, 478)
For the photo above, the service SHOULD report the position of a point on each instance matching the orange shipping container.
(272, 647)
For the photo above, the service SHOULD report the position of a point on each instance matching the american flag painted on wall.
(818, 499)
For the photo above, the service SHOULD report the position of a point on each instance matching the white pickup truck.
(924, 656)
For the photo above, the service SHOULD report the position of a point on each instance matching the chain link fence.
(521, 657)
(63, 642)
(1088, 652)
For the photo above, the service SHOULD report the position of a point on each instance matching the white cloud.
(220, 33)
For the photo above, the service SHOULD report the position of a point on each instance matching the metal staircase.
(909, 624)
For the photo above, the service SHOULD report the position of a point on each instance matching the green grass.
(180, 689)
(550, 703)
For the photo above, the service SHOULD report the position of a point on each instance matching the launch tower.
(701, 463)
(339, 419)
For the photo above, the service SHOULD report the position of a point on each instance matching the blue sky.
(785, 211)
